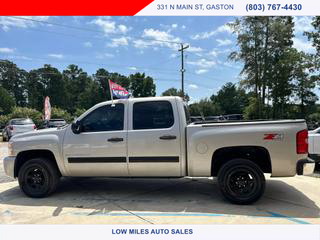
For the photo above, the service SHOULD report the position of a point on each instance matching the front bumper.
(8, 165)
(305, 166)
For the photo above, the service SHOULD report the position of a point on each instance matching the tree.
(60, 113)
(282, 65)
(265, 46)
(174, 92)
(79, 87)
(304, 83)
(7, 102)
(46, 81)
(253, 37)
(205, 107)
(142, 85)
(102, 79)
(231, 99)
(79, 112)
(13, 80)
(315, 35)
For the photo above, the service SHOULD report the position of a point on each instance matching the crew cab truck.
(152, 137)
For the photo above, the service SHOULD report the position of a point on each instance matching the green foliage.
(24, 112)
(251, 111)
(175, 92)
(60, 113)
(79, 112)
(314, 117)
(314, 36)
(4, 120)
(13, 79)
(142, 85)
(7, 102)
(205, 107)
(231, 99)
(273, 69)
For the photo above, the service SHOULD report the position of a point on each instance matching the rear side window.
(187, 114)
(152, 115)
(105, 118)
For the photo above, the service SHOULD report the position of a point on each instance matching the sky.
(134, 44)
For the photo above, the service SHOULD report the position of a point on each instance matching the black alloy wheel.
(241, 181)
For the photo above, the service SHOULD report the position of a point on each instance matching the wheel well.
(24, 156)
(258, 155)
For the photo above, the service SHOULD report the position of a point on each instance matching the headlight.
(10, 149)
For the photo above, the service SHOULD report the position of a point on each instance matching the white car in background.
(314, 145)
(17, 125)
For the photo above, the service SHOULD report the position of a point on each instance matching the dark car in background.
(214, 118)
(196, 118)
(54, 123)
(16, 126)
(233, 117)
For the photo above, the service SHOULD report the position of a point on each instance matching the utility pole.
(182, 67)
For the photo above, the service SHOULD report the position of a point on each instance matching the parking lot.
(158, 201)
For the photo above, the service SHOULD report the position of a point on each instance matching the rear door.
(154, 138)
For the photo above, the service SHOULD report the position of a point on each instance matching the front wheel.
(38, 177)
(241, 181)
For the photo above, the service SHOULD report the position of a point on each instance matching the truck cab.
(136, 137)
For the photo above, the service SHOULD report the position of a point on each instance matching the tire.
(241, 181)
(38, 177)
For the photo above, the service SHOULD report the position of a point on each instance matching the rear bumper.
(305, 166)
(8, 165)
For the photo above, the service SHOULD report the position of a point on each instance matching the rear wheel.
(241, 181)
(38, 177)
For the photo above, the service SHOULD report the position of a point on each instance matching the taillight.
(11, 128)
(302, 142)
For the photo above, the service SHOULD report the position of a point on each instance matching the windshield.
(21, 121)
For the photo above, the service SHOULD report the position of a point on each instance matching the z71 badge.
(273, 136)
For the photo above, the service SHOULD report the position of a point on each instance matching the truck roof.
(131, 99)
(141, 99)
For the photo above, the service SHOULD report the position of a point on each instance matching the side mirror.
(76, 127)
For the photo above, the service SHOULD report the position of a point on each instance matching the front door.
(101, 147)
(154, 139)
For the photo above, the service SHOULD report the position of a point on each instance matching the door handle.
(115, 139)
(167, 137)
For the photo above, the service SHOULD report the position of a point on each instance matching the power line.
(95, 63)
(88, 29)
(103, 76)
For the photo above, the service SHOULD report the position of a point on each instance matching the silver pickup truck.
(152, 137)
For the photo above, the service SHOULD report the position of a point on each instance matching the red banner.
(72, 7)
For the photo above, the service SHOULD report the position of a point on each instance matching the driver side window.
(105, 118)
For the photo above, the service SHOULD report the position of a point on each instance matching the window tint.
(105, 118)
(150, 115)
(187, 113)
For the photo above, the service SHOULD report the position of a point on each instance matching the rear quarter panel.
(204, 140)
